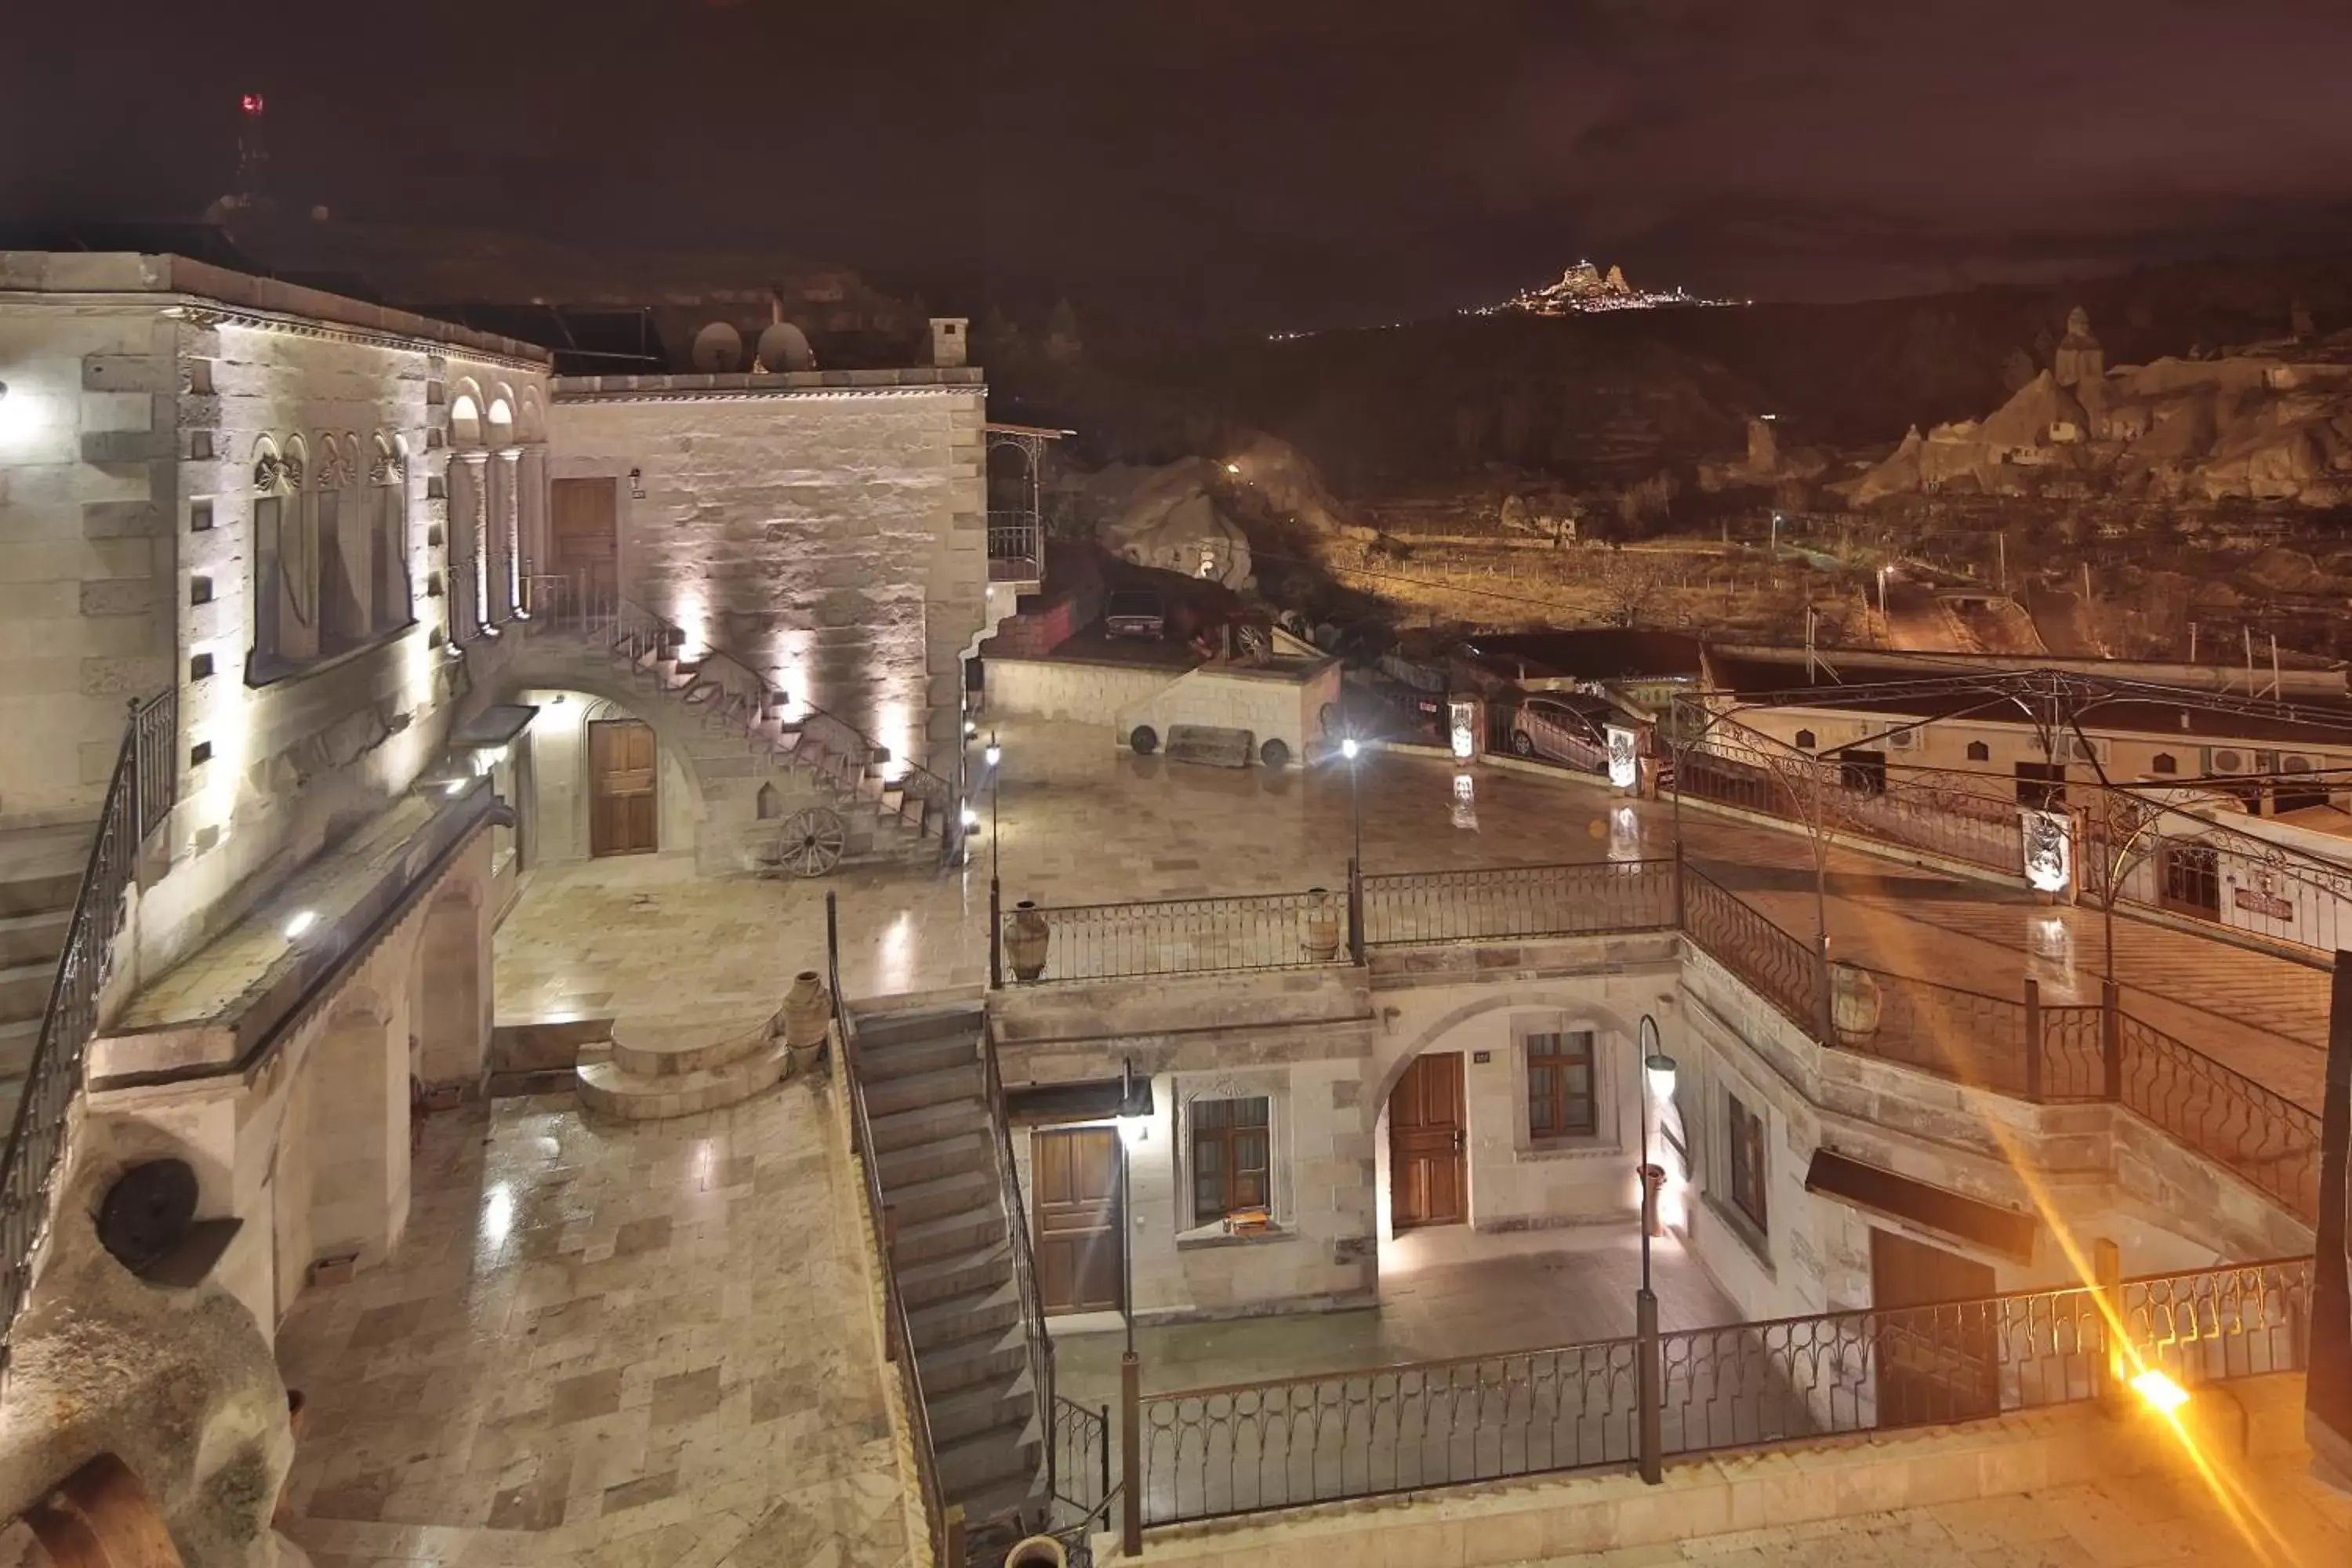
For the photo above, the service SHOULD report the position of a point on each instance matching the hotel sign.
(2255, 901)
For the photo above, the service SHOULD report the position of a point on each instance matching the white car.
(1560, 730)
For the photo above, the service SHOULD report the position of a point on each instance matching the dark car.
(1135, 612)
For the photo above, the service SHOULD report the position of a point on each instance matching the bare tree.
(1629, 581)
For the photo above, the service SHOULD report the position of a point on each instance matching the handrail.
(140, 795)
(898, 1340)
(1024, 1262)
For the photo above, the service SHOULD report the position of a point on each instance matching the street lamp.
(1350, 748)
(1657, 1091)
(1130, 1127)
(992, 755)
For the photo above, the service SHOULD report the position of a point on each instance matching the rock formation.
(2269, 422)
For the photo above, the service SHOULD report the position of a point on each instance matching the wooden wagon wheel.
(812, 841)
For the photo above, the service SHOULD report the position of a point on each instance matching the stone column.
(506, 535)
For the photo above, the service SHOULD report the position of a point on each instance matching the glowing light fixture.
(1658, 1068)
(1233, 467)
(2159, 1393)
(994, 753)
(303, 920)
(1348, 748)
(971, 819)
(971, 727)
(455, 786)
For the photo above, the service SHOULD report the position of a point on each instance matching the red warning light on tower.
(252, 103)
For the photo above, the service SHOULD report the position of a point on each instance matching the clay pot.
(808, 1018)
(1037, 1551)
(1854, 1002)
(1322, 925)
(1026, 943)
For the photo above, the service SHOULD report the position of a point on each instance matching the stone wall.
(1282, 702)
(87, 444)
(558, 805)
(1070, 689)
(832, 537)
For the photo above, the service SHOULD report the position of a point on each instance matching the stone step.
(17, 1041)
(977, 1409)
(605, 1088)
(981, 1268)
(669, 1049)
(883, 1029)
(927, 1124)
(974, 1463)
(947, 1235)
(34, 938)
(943, 1369)
(25, 989)
(40, 892)
(961, 1317)
(916, 1202)
(939, 1157)
(879, 1064)
(939, 1086)
(1023, 1494)
(535, 1044)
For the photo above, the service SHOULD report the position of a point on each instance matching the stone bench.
(1208, 744)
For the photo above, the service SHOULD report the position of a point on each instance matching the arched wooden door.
(1428, 1166)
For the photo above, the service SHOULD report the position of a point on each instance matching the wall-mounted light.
(636, 484)
(302, 921)
(2158, 1392)
(1348, 748)
(971, 819)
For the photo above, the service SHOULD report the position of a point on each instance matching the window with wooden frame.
(1750, 1163)
(1562, 1101)
(1232, 1145)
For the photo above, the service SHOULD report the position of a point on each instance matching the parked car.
(1135, 612)
(1559, 730)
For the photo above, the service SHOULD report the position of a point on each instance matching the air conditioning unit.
(1903, 740)
(2296, 763)
(2224, 760)
(2082, 751)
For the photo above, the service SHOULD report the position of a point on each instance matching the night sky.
(1276, 161)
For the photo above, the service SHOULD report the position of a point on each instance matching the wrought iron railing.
(2222, 1114)
(1025, 1263)
(1280, 1443)
(2209, 1325)
(1784, 971)
(943, 1524)
(1958, 815)
(1248, 1447)
(1016, 546)
(2047, 1054)
(1510, 902)
(1748, 1383)
(140, 795)
(796, 732)
(1174, 936)
(1082, 1489)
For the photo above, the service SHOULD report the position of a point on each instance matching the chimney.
(949, 344)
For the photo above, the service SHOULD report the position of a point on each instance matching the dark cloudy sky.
(1268, 160)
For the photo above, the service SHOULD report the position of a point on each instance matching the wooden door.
(1428, 1163)
(584, 542)
(622, 763)
(1079, 1219)
(1937, 1345)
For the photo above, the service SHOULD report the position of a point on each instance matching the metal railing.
(1279, 1443)
(1173, 936)
(2046, 1054)
(140, 795)
(1518, 902)
(943, 1524)
(2221, 1113)
(1939, 812)
(1779, 967)
(1016, 546)
(1836, 1372)
(1025, 1263)
(1251, 1446)
(797, 733)
(1081, 1489)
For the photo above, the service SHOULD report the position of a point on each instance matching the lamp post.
(1657, 1081)
(1130, 1371)
(992, 756)
(1350, 748)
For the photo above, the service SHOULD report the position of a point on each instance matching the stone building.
(329, 621)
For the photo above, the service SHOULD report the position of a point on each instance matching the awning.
(495, 726)
(1882, 1192)
(1089, 1101)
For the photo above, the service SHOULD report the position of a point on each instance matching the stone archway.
(1509, 999)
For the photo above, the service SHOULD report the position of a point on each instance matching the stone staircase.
(650, 1072)
(41, 872)
(759, 766)
(937, 1160)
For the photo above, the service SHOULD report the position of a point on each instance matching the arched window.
(2164, 762)
(1805, 740)
(1979, 752)
(285, 559)
(342, 525)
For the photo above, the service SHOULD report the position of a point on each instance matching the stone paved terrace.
(1083, 824)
